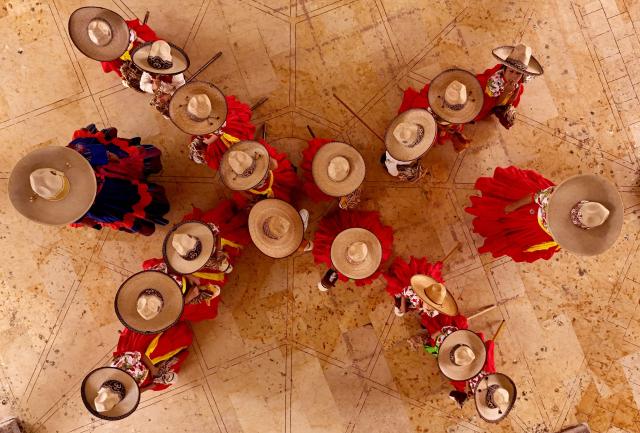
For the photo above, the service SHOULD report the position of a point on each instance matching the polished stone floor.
(281, 356)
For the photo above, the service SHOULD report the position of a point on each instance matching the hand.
(273, 164)
(510, 86)
(416, 342)
(210, 139)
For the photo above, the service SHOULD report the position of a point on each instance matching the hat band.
(158, 62)
(197, 118)
(249, 170)
(576, 215)
(153, 292)
(355, 262)
(115, 386)
(516, 64)
(267, 231)
(194, 252)
(455, 107)
(452, 357)
(490, 403)
(419, 137)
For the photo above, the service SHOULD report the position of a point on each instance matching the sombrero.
(160, 57)
(462, 355)
(275, 227)
(110, 393)
(356, 253)
(456, 96)
(53, 185)
(188, 247)
(565, 205)
(518, 58)
(244, 165)
(99, 33)
(411, 134)
(198, 108)
(151, 294)
(495, 396)
(338, 169)
(434, 294)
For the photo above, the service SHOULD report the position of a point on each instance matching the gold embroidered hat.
(188, 247)
(99, 33)
(411, 134)
(53, 185)
(276, 228)
(198, 108)
(518, 58)
(434, 294)
(160, 57)
(338, 169)
(462, 355)
(455, 96)
(585, 214)
(244, 165)
(495, 396)
(110, 393)
(356, 253)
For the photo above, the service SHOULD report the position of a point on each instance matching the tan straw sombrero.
(456, 96)
(160, 57)
(275, 227)
(585, 200)
(434, 294)
(198, 108)
(411, 134)
(518, 58)
(149, 302)
(53, 185)
(110, 393)
(188, 247)
(462, 355)
(338, 169)
(99, 33)
(244, 165)
(356, 253)
(495, 396)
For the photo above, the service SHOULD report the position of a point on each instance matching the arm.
(518, 204)
(146, 83)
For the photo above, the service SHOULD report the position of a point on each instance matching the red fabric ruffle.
(510, 234)
(435, 324)
(399, 274)
(331, 225)
(308, 184)
(489, 364)
(489, 102)
(143, 32)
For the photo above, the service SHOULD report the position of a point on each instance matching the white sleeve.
(178, 80)
(146, 84)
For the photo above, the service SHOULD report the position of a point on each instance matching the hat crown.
(99, 32)
(239, 161)
(406, 132)
(521, 54)
(48, 183)
(463, 355)
(278, 226)
(199, 107)
(437, 293)
(184, 243)
(592, 214)
(149, 305)
(338, 168)
(161, 49)
(357, 252)
(455, 93)
(500, 397)
(106, 399)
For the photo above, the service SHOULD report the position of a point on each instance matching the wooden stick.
(311, 132)
(495, 336)
(358, 117)
(450, 253)
(482, 311)
(203, 67)
(261, 101)
(146, 17)
(264, 131)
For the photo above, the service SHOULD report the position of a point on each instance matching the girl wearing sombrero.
(525, 216)
(353, 244)
(504, 83)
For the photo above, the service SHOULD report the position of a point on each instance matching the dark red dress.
(143, 32)
(309, 186)
(399, 274)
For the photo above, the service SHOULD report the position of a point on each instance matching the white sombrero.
(276, 228)
(411, 134)
(518, 58)
(495, 396)
(456, 96)
(198, 108)
(338, 169)
(434, 294)
(99, 33)
(160, 57)
(110, 393)
(188, 247)
(356, 253)
(53, 185)
(462, 355)
(244, 165)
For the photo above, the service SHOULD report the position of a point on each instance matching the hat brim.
(486, 413)
(127, 299)
(180, 101)
(78, 25)
(82, 186)
(237, 183)
(92, 384)
(207, 238)
(502, 54)
(464, 372)
(401, 151)
(475, 96)
(566, 195)
(180, 59)
(275, 248)
(420, 283)
(320, 164)
(339, 253)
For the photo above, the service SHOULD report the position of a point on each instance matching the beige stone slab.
(621, 26)
(613, 67)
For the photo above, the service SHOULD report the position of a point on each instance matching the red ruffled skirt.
(308, 184)
(510, 234)
(144, 32)
(331, 225)
(399, 274)
(489, 365)
(175, 338)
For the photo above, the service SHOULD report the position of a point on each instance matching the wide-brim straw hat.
(92, 384)
(475, 96)
(320, 165)
(275, 248)
(82, 186)
(480, 396)
(127, 299)
(78, 31)
(197, 229)
(401, 151)
(461, 372)
(180, 100)
(232, 180)
(566, 195)
(421, 285)
(339, 253)
(502, 54)
(180, 59)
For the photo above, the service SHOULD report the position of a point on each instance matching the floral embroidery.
(131, 362)
(541, 198)
(495, 84)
